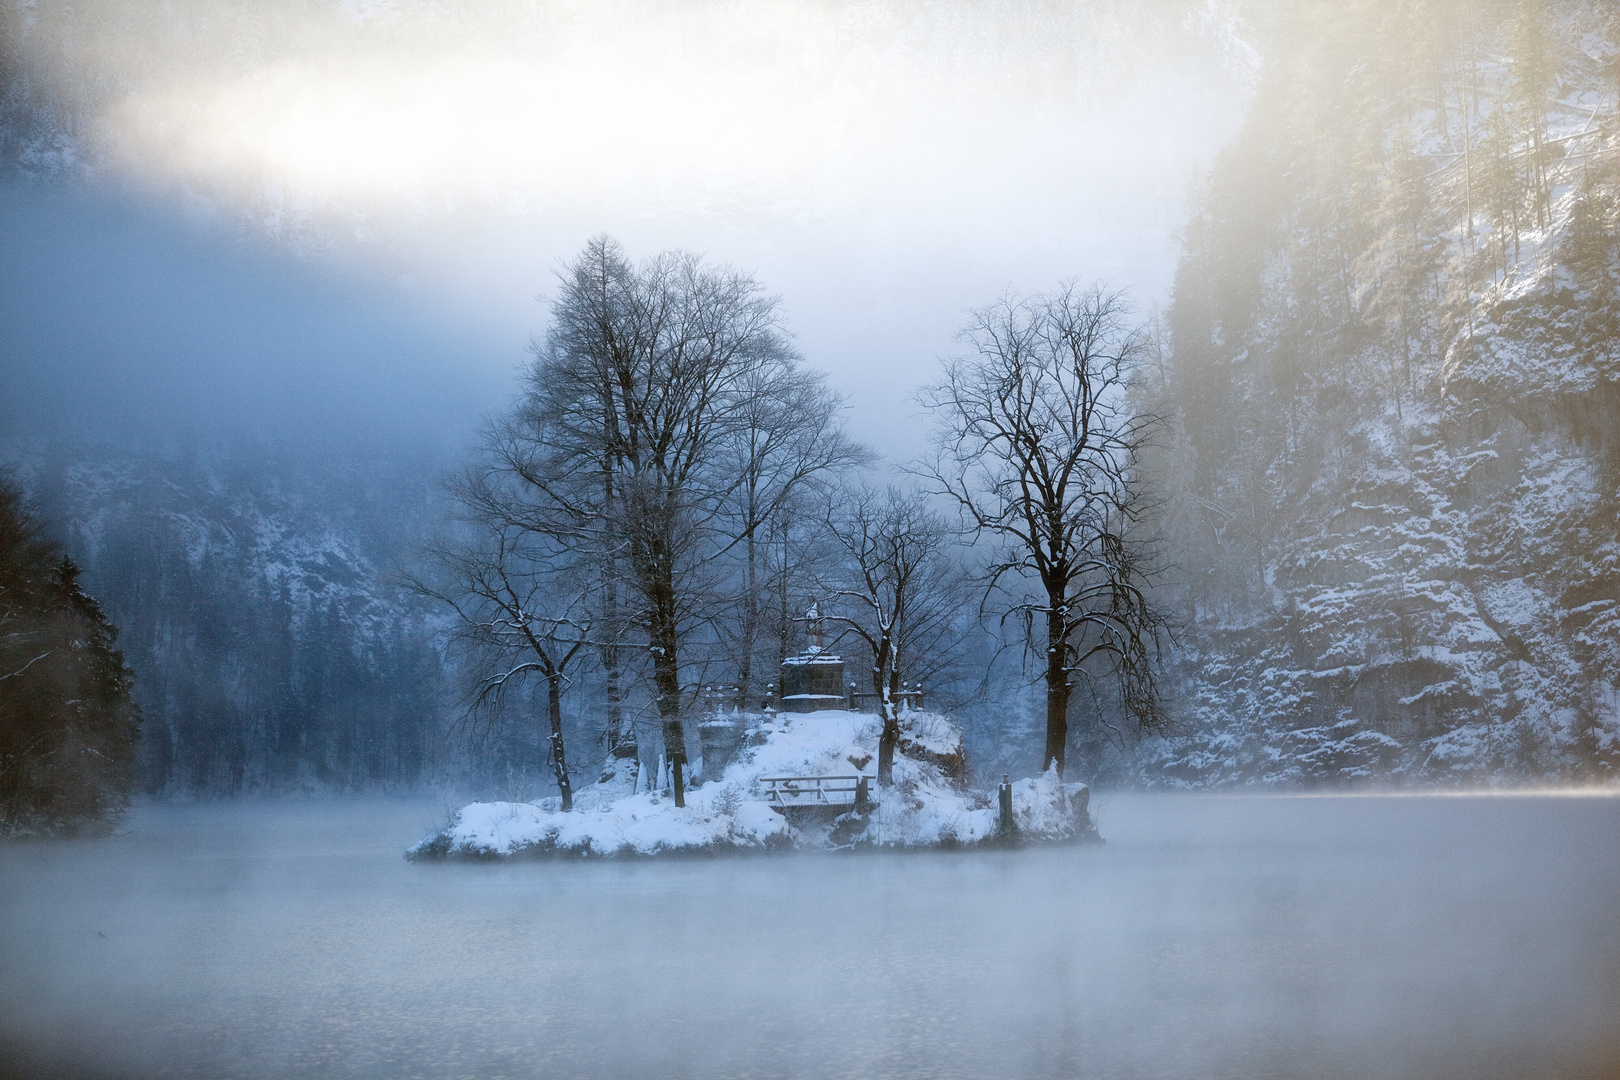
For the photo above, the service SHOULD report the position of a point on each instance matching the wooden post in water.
(1006, 806)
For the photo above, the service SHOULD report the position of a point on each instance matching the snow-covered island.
(746, 808)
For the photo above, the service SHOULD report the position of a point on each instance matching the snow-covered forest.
(1379, 525)
(1394, 358)
(256, 600)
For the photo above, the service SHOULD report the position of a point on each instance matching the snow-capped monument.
(813, 680)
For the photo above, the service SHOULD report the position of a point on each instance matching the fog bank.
(1210, 937)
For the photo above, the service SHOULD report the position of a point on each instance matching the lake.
(1211, 936)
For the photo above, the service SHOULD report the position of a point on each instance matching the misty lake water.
(1212, 936)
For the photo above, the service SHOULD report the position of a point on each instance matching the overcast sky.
(315, 214)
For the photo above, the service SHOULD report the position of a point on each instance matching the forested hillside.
(1395, 374)
(256, 602)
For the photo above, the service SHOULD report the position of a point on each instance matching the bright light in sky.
(776, 106)
(883, 166)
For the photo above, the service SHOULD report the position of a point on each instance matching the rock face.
(1394, 489)
(929, 737)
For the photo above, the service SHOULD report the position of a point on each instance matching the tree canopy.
(665, 420)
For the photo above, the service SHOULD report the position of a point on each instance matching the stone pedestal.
(813, 681)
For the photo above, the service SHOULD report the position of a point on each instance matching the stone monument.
(815, 678)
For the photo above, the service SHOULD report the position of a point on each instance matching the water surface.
(1210, 937)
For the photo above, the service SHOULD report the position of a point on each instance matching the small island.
(795, 781)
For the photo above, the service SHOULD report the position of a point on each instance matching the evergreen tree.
(68, 726)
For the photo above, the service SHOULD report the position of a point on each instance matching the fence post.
(1006, 806)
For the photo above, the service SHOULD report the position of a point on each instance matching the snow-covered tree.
(666, 413)
(521, 599)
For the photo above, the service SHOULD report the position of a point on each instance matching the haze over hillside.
(265, 267)
(1395, 363)
(883, 168)
(268, 264)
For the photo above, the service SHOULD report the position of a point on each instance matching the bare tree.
(520, 602)
(1037, 444)
(793, 559)
(790, 442)
(899, 589)
(648, 413)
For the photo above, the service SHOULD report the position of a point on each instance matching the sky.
(311, 215)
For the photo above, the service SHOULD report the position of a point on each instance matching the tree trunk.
(653, 556)
(559, 760)
(667, 681)
(750, 627)
(884, 677)
(619, 746)
(1057, 687)
(886, 745)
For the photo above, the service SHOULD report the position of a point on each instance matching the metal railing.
(716, 698)
(785, 792)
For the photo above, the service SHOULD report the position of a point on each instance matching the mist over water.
(1212, 936)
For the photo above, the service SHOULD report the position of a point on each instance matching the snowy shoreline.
(925, 809)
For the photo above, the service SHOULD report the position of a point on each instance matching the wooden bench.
(792, 792)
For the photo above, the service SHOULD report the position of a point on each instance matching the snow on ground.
(923, 808)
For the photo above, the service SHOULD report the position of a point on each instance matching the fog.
(1210, 937)
(330, 229)
(122, 325)
(291, 209)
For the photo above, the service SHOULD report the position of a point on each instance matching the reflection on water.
(1211, 937)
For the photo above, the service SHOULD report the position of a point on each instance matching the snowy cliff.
(1395, 488)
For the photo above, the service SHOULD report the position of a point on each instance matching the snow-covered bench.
(786, 792)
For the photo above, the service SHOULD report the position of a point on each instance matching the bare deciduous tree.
(790, 441)
(665, 396)
(793, 559)
(898, 588)
(1038, 444)
(520, 601)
